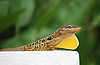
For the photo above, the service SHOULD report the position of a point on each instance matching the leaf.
(23, 19)
(8, 20)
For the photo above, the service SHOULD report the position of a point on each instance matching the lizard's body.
(49, 42)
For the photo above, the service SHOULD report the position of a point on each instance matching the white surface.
(39, 58)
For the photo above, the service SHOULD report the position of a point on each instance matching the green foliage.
(45, 18)
(4, 7)
(76, 12)
(25, 21)
(8, 20)
(25, 16)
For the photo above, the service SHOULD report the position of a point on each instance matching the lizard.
(64, 37)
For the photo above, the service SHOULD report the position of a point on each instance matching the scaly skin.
(48, 42)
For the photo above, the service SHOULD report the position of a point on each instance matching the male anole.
(64, 37)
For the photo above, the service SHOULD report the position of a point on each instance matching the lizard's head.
(69, 29)
(69, 40)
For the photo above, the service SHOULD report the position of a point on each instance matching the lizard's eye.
(69, 26)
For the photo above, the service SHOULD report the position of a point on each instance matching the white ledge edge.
(39, 58)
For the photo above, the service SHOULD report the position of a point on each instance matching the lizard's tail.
(13, 49)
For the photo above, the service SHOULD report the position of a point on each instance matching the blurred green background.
(25, 21)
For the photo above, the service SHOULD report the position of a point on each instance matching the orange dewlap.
(69, 43)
